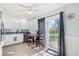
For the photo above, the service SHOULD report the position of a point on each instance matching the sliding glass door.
(52, 32)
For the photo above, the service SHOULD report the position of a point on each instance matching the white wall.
(0, 37)
(0, 31)
(72, 30)
(33, 25)
(14, 23)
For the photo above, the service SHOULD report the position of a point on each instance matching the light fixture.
(30, 9)
(71, 16)
(29, 12)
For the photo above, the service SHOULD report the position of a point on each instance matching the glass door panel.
(52, 32)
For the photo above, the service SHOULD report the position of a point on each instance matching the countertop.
(14, 32)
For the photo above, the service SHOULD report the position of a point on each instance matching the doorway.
(52, 32)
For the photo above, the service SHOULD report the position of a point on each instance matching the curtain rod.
(51, 15)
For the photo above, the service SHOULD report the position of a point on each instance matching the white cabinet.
(10, 39)
(0, 50)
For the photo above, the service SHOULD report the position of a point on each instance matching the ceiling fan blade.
(22, 6)
(29, 8)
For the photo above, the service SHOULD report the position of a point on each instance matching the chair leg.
(32, 45)
(28, 43)
(37, 43)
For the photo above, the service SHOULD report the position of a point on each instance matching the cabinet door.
(13, 39)
(8, 40)
(0, 50)
(19, 38)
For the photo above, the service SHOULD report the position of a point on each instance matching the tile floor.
(20, 50)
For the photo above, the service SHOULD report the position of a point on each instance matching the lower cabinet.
(0, 50)
(10, 39)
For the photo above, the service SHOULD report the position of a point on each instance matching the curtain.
(62, 40)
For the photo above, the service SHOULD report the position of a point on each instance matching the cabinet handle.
(15, 38)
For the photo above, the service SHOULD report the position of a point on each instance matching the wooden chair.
(37, 41)
(30, 41)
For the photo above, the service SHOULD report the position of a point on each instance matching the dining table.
(33, 36)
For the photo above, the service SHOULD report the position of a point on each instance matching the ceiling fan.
(30, 9)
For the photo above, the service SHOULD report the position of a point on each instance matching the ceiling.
(13, 9)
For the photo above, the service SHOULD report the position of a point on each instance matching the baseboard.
(12, 44)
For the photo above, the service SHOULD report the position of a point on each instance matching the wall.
(71, 28)
(33, 25)
(0, 26)
(14, 23)
(0, 34)
(0, 37)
